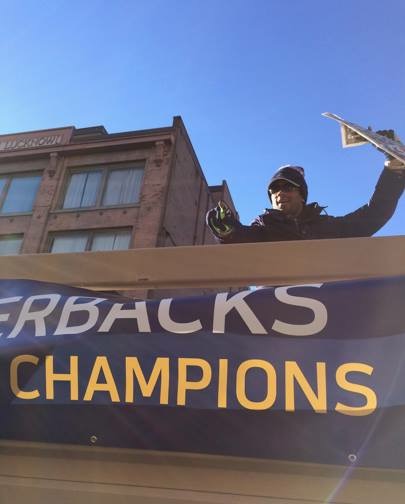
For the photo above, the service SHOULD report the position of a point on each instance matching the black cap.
(293, 174)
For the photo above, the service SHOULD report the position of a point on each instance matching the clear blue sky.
(250, 79)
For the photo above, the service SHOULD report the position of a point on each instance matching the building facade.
(82, 189)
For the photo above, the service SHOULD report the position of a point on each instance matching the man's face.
(287, 198)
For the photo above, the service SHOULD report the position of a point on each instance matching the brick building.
(79, 189)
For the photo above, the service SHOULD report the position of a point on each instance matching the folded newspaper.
(353, 135)
(350, 138)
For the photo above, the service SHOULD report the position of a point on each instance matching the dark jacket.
(312, 224)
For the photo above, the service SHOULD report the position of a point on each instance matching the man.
(291, 218)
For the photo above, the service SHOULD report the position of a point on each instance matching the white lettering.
(139, 313)
(170, 325)
(223, 306)
(38, 317)
(319, 309)
(70, 307)
(30, 142)
(5, 316)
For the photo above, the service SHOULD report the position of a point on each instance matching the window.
(18, 192)
(107, 186)
(10, 244)
(82, 189)
(80, 241)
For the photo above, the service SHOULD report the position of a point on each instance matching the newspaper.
(351, 138)
(391, 147)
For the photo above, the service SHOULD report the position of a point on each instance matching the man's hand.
(389, 134)
(221, 220)
(394, 164)
(391, 163)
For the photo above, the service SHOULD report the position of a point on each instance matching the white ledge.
(277, 263)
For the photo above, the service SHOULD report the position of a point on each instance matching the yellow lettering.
(15, 363)
(317, 400)
(183, 384)
(101, 364)
(51, 377)
(160, 370)
(369, 394)
(270, 398)
(222, 383)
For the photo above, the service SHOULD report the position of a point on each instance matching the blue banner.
(311, 372)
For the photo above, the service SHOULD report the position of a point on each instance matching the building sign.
(36, 139)
(312, 373)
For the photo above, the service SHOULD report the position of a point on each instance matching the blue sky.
(249, 78)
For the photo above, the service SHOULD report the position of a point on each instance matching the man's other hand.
(394, 164)
(391, 163)
(389, 133)
(221, 220)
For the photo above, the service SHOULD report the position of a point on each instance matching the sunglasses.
(282, 186)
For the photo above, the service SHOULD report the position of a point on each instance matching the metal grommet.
(93, 439)
(352, 458)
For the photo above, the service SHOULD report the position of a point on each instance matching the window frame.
(11, 235)
(4, 192)
(105, 170)
(91, 233)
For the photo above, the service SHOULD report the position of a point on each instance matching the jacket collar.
(309, 212)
